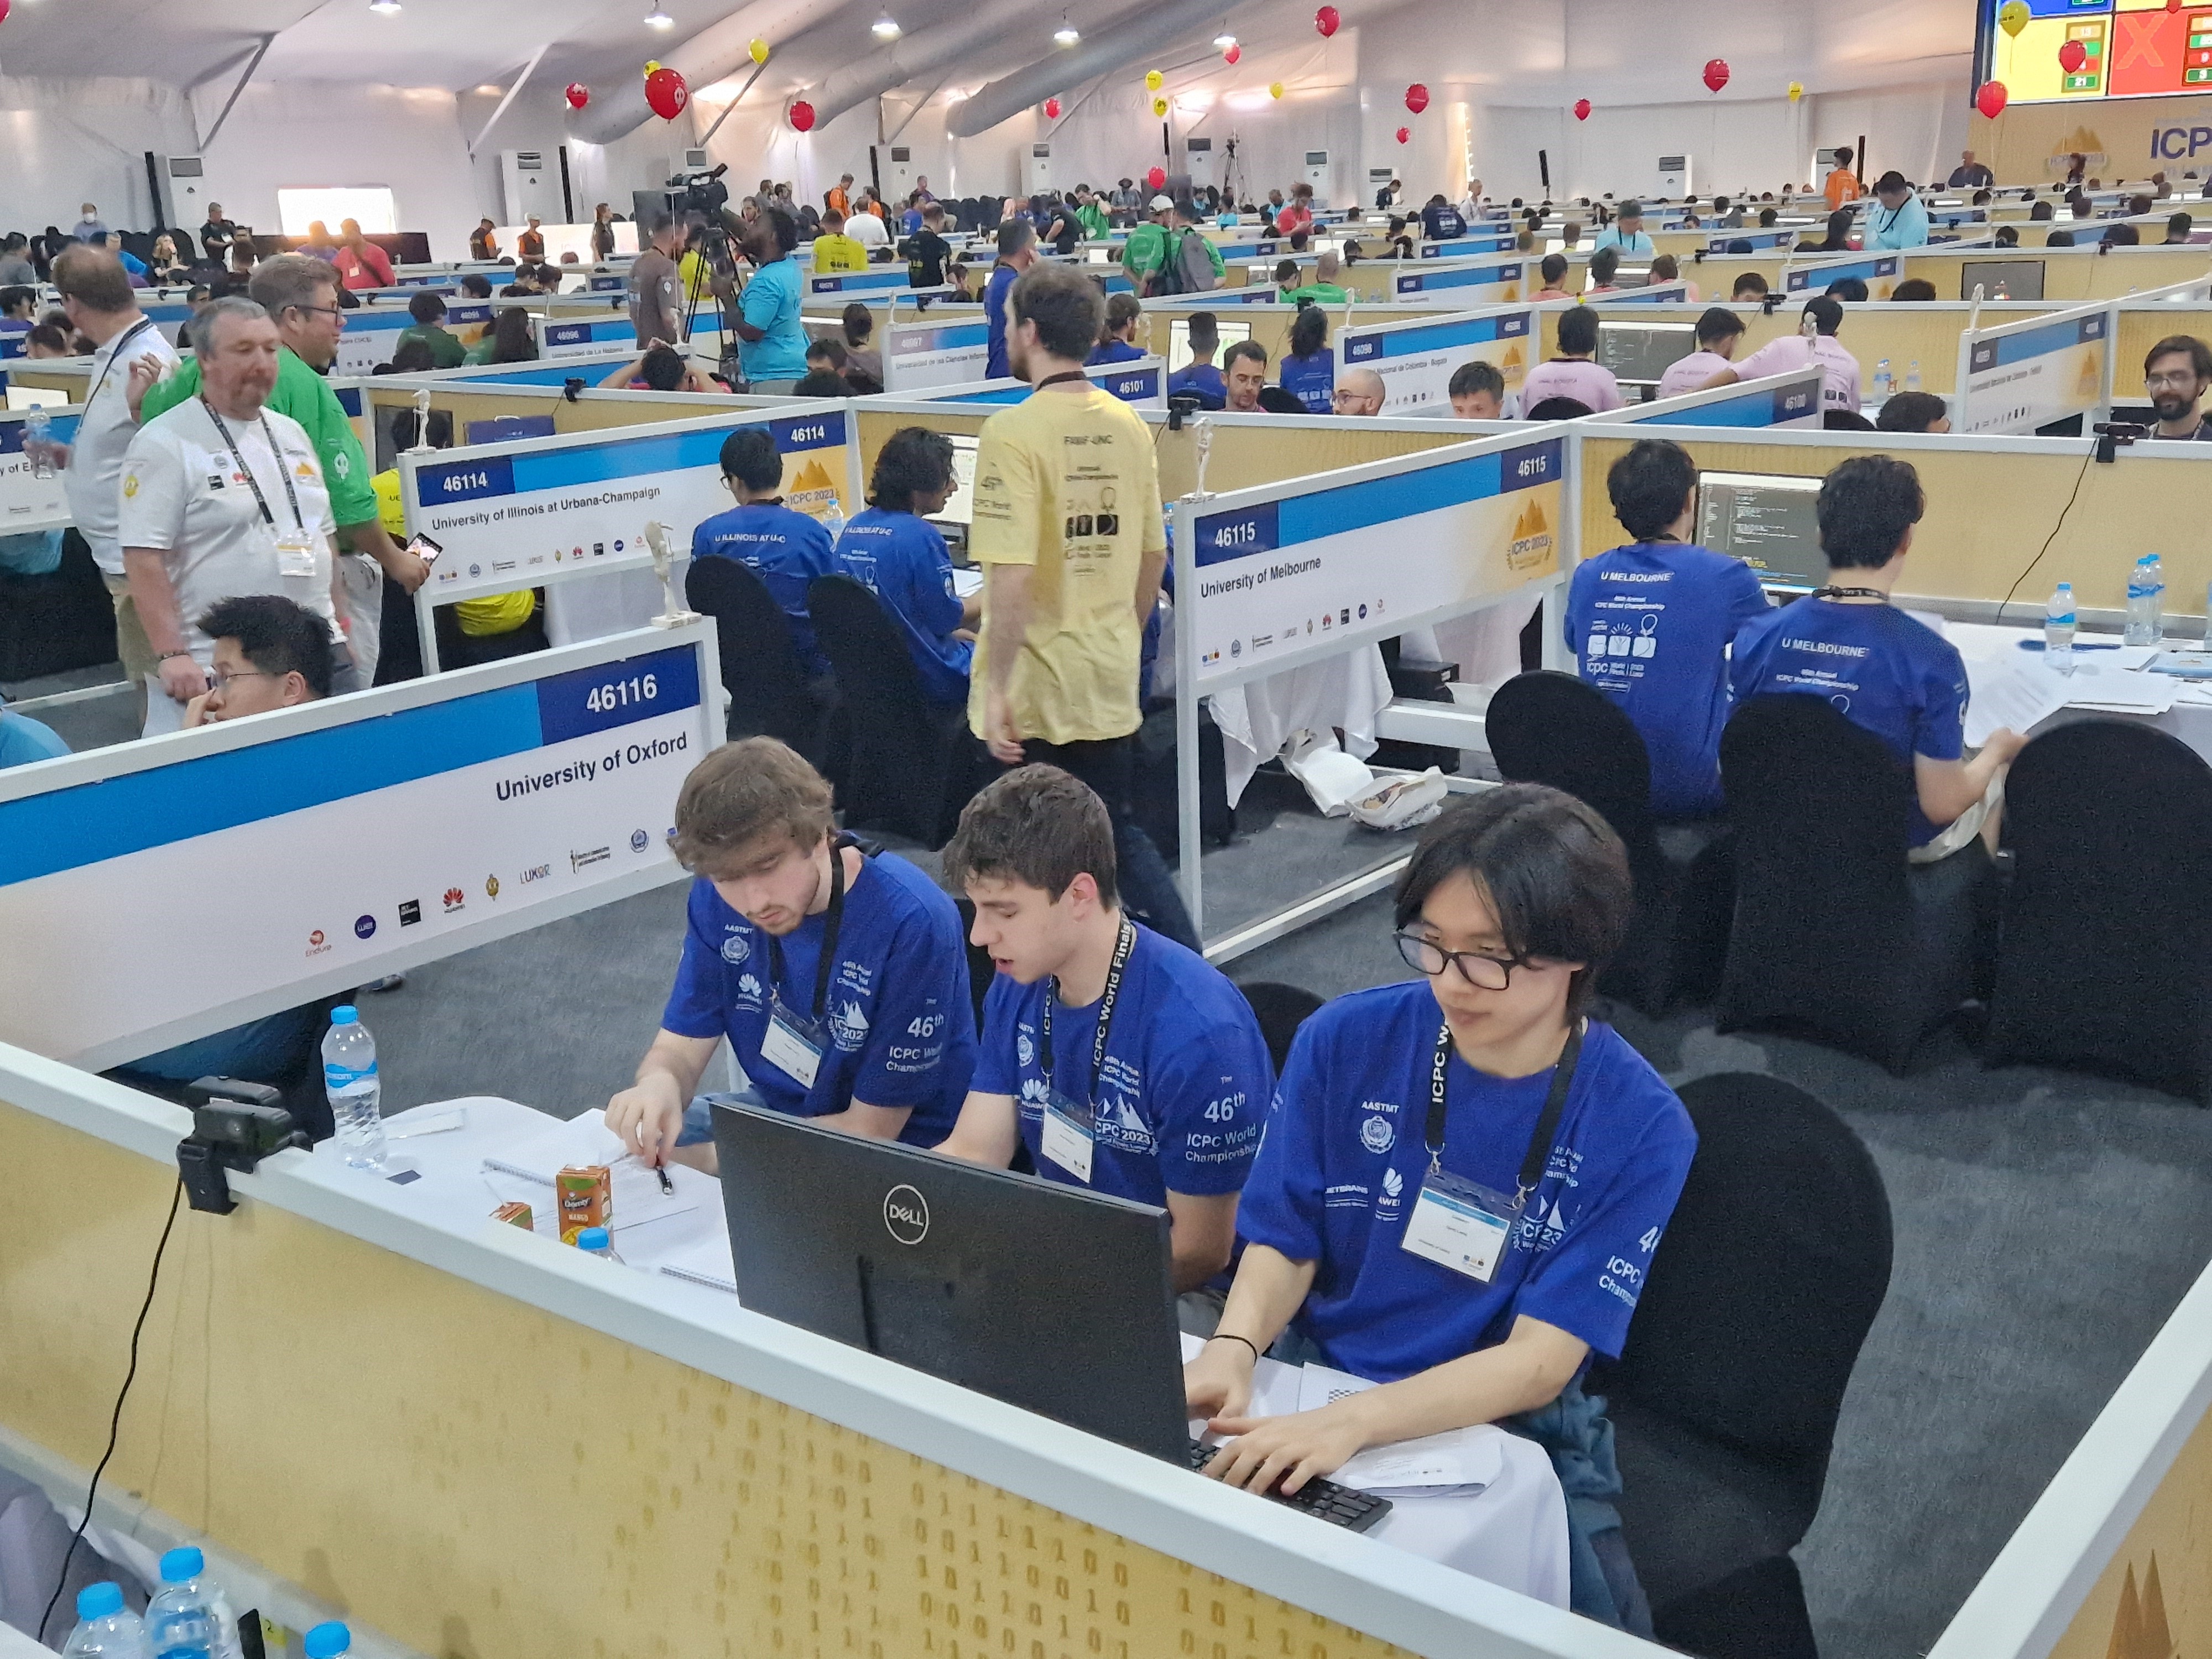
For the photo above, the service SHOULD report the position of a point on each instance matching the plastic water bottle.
(593, 1241)
(189, 1617)
(106, 1628)
(1883, 381)
(833, 521)
(327, 1641)
(38, 437)
(1912, 375)
(2058, 629)
(351, 1080)
(2146, 623)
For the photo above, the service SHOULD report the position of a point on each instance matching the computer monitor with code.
(2001, 279)
(1766, 520)
(1639, 354)
(960, 509)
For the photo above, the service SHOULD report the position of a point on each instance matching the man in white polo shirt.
(222, 496)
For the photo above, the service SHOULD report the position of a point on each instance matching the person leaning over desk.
(1462, 1181)
(1124, 1063)
(837, 975)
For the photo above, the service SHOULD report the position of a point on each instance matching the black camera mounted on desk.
(235, 1124)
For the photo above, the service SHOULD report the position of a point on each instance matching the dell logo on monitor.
(906, 1214)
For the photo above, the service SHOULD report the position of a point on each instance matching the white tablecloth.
(1261, 719)
(1987, 647)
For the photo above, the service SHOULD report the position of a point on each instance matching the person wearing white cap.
(1150, 245)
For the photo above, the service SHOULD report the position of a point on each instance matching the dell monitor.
(1768, 521)
(1640, 354)
(2001, 279)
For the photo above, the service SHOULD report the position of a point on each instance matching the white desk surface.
(1513, 1533)
(1987, 646)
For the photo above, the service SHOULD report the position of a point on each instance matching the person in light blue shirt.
(1651, 622)
(771, 339)
(1626, 232)
(1899, 217)
(896, 554)
(786, 549)
(23, 740)
(1017, 253)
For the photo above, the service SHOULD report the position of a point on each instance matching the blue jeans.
(699, 1116)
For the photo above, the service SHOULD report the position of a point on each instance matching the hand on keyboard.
(1340, 1506)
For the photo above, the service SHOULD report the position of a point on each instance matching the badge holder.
(1462, 1224)
(296, 555)
(793, 1044)
(1067, 1135)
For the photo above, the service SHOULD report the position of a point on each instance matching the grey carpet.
(2046, 1223)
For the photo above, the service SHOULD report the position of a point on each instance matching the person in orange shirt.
(1844, 185)
(840, 198)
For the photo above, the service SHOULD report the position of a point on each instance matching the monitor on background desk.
(1231, 330)
(1767, 520)
(1639, 353)
(2001, 279)
(960, 508)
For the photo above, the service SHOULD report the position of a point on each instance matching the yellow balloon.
(1159, 106)
(651, 65)
(1153, 80)
(1274, 89)
(1796, 90)
(757, 50)
(2012, 17)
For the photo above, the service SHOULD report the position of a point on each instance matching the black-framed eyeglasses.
(327, 310)
(1485, 973)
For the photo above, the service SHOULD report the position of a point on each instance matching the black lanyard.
(129, 335)
(1548, 1120)
(833, 920)
(1850, 593)
(1057, 379)
(1122, 946)
(254, 483)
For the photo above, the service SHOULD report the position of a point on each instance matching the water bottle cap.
(327, 1641)
(346, 1015)
(98, 1600)
(2066, 587)
(182, 1563)
(591, 1238)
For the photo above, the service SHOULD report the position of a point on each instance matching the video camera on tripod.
(699, 192)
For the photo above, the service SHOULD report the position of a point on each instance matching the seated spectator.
(1667, 269)
(2007, 236)
(2059, 239)
(1911, 290)
(409, 357)
(836, 251)
(1308, 372)
(1814, 342)
(1848, 290)
(17, 268)
(1273, 400)
(1914, 411)
(1199, 378)
(1553, 270)
(23, 740)
(822, 383)
(133, 266)
(2121, 236)
(826, 353)
(1358, 391)
(1244, 378)
(1885, 669)
(892, 550)
(1845, 420)
(2176, 372)
(786, 549)
(1604, 266)
(428, 311)
(1652, 622)
(2178, 229)
(268, 654)
(2040, 211)
(509, 340)
(1287, 279)
(861, 358)
(476, 285)
(1478, 392)
(166, 266)
(1750, 288)
(1571, 373)
(1117, 335)
(19, 310)
(1324, 290)
(1558, 409)
(658, 368)
(1720, 331)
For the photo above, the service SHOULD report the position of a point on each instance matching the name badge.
(295, 555)
(1459, 1225)
(793, 1044)
(1066, 1137)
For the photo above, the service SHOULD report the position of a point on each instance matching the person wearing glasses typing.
(1463, 1180)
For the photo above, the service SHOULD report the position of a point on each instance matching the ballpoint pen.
(666, 1185)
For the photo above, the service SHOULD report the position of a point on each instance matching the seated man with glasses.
(2175, 374)
(268, 654)
(1463, 1178)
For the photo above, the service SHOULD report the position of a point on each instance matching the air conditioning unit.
(1039, 169)
(899, 177)
(529, 180)
(1673, 177)
(185, 179)
(1198, 161)
(1317, 174)
(696, 160)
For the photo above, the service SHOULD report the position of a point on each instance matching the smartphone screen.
(425, 550)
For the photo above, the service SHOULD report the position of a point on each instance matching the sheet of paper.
(2015, 696)
(706, 1262)
(2126, 693)
(1467, 1457)
(634, 1189)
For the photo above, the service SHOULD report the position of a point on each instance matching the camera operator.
(771, 339)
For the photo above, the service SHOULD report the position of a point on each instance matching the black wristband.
(1230, 1336)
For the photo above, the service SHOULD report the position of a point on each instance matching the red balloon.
(1717, 73)
(578, 93)
(3, 11)
(1157, 177)
(1052, 109)
(1581, 109)
(2072, 54)
(666, 95)
(1236, 52)
(1405, 134)
(1416, 98)
(1326, 21)
(802, 116)
(1990, 100)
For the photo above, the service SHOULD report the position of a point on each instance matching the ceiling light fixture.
(658, 19)
(385, 8)
(1223, 40)
(885, 27)
(1066, 35)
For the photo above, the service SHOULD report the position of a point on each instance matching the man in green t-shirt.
(1150, 247)
(1324, 290)
(1091, 214)
(299, 294)
(428, 311)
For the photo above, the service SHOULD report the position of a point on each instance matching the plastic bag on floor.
(1403, 802)
(1332, 777)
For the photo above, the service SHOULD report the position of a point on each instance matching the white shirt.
(93, 478)
(864, 227)
(184, 494)
(1840, 389)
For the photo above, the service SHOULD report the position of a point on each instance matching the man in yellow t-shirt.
(834, 251)
(1068, 530)
(487, 617)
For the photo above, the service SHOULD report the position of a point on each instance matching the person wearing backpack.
(1150, 248)
(1197, 262)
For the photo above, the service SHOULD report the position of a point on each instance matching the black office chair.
(1725, 1398)
(900, 750)
(1553, 728)
(965, 218)
(1280, 1009)
(1834, 937)
(2103, 963)
(58, 622)
(770, 693)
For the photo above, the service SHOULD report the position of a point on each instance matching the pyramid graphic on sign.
(813, 490)
(2081, 139)
(2140, 1629)
(2091, 380)
(1512, 291)
(1531, 548)
(1514, 363)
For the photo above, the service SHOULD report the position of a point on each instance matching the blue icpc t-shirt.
(1112, 351)
(1894, 676)
(1202, 381)
(1184, 1089)
(1345, 1152)
(901, 560)
(1651, 622)
(900, 1026)
(23, 740)
(994, 321)
(770, 303)
(786, 549)
(1311, 380)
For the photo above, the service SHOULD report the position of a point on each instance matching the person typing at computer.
(1720, 331)
(1123, 1062)
(1463, 1178)
(896, 554)
(1815, 341)
(1571, 373)
(785, 548)
(838, 975)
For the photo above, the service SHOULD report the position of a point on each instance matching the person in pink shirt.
(1815, 341)
(1571, 374)
(361, 263)
(1299, 215)
(1720, 330)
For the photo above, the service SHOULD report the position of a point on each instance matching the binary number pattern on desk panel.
(509, 1482)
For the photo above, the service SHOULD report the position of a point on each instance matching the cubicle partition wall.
(593, 337)
(1460, 284)
(1141, 381)
(1788, 399)
(372, 334)
(1416, 359)
(2019, 377)
(933, 352)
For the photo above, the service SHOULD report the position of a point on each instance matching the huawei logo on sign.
(906, 1215)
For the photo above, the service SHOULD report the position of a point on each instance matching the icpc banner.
(2019, 377)
(1416, 359)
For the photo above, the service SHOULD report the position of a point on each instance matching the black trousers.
(1148, 888)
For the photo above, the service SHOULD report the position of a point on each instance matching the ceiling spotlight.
(1223, 40)
(884, 27)
(658, 19)
(385, 8)
(1066, 35)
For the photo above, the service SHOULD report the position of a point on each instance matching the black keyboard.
(1324, 1500)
